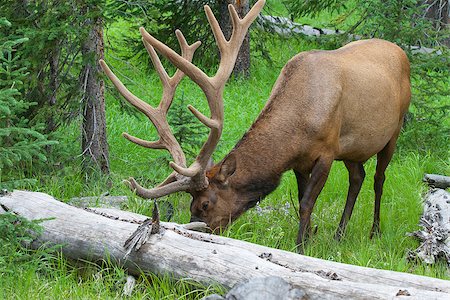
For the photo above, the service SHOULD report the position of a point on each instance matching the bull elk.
(347, 104)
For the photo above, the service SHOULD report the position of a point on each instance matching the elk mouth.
(195, 219)
(251, 204)
(214, 226)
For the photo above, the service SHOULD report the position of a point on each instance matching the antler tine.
(215, 27)
(252, 14)
(230, 49)
(170, 83)
(144, 107)
(204, 119)
(157, 64)
(157, 116)
(235, 20)
(147, 144)
(211, 86)
(180, 62)
(187, 51)
(175, 186)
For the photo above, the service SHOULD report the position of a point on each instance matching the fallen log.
(437, 181)
(101, 201)
(435, 222)
(204, 257)
(285, 27)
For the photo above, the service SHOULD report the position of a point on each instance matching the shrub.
(19, 142)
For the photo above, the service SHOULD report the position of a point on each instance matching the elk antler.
(158, 116)
(194, 177)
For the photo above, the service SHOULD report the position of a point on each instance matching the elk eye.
(205, 205)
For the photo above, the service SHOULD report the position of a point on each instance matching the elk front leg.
(356, 176)
(302, 181)
(314, 186)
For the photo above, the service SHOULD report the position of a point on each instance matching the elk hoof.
(300, 249)
(375, 232)
(314, 229)
(338, 235)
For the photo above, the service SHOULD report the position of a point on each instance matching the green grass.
(49, 276)
(401, 209)
(344, 18)
(46, 275)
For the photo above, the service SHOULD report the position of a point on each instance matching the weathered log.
(285, 27)
(205, 257)
(262, 288)
(437, 181)
(435, 232)
(101, 201)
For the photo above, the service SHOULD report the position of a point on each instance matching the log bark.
(101, 201)
(435, 232)
(205, 257)
(437, 181)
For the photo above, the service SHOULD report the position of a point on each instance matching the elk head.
(208, 191)
(218, 204)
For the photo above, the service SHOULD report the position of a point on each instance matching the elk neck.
(262, 156)
(279, 140)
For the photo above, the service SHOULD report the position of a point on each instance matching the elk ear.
(227, 168)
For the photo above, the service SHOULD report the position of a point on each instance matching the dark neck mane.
(257, 189)
(259, 161)
(253, 178)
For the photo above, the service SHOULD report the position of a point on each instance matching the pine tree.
(19, 143)
(64, 78)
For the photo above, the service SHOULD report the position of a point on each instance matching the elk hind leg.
(383, 159)
(314, 186)
(356, 176)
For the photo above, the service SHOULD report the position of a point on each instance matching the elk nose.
(195, 219)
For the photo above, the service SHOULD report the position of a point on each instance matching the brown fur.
(347, 104)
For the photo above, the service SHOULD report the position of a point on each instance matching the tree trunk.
(242, 66)
(53, 86)
(94, 143)
(439, 12)
(204, 257)
(224, 17)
